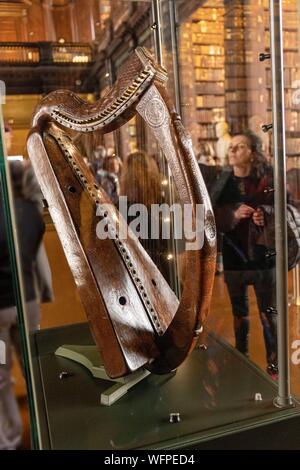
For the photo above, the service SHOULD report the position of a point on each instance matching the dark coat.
(31, 228)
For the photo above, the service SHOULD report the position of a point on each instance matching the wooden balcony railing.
(72, 53)
(18, 53)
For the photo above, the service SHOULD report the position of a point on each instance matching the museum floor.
(67, 309)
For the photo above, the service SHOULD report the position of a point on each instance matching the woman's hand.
(258, 217)
(243, 212)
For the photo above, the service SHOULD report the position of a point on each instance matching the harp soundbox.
(135, 318)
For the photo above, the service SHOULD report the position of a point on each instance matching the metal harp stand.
(89, 357)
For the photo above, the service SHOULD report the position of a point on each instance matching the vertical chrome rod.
(175, 53)
(157, 30)
(284, 397)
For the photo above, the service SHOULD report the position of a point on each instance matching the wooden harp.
(134, 316)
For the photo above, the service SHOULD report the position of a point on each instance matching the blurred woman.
(141, 182)
(245, 263)
(108, 177)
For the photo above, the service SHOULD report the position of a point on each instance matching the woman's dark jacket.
(31, 228)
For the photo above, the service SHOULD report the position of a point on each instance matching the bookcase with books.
(222, 77)
(201, 49)
(291, 17)
(235, 75)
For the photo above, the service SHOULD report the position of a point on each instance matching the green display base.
(89, 357)
(217, 404)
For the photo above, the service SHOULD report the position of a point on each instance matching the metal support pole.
(111, 80)
(157, 31)
(284, 397)
(175, 54)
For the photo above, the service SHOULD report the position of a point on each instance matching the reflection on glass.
(225, 98)
(35, 282)
(225, 102)
(291, 31)
(223, 84)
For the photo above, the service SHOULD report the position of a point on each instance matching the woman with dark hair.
(245, 263)
(142, 183)
(141, 180)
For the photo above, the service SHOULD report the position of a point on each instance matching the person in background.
(293, 186)
(237, 207)
(42, 270)
(99, 155)
(255, 124)
(224, 139)
(206, 155)
(8, 137)
(141, 179)
(111, 152)
(108, 177)
(30, 229)
(141, 182)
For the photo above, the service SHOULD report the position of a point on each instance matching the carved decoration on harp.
(135, 317)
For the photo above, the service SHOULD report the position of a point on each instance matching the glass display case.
(238, 386)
